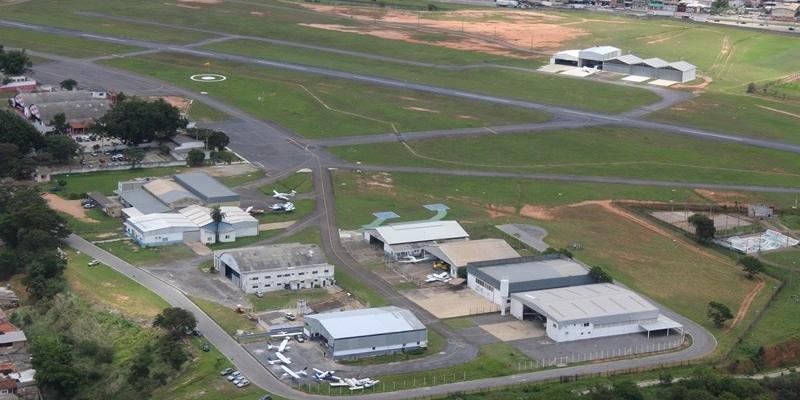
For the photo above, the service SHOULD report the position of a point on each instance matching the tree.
(599, 275)
(751, 87)
(21, 210)
(172, 352)
(54, 363)
(61, 147)
(564, 252)
(704, 229)
(69, 84)
(718, 6)
(14, 62)
(136, 121)
(175, 321)
(17, 131)
(751, 266)
(217, 216)
(718, 313)
(218, 140)
(135, 155)
(195, 158)
(44, 278)
(59, 124)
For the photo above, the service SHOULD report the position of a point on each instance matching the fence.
(82, 169)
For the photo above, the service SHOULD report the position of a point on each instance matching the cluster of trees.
(704, 229)
(718, 313)
(22, 147)
(214, 140)
(32, 234)
(14, 62)
(135, 121)
(80, 352)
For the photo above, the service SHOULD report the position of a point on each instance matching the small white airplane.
(281, 347)
(294, 374)
(283, 196)
(358, 384)
(321, 375)
(282, 359)
(412, 260)
(282, 207)
(440, 277)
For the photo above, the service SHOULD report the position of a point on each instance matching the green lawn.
(593, 151)
(363, 293)
(106, 181)
(308, 236)
(201, 380)
(546, 88)
(791, 220)
(286, 299)
(58, 44)
(102, 285)
(316, 106)
(225, 317)
(301, 182)
(737, 113)
(201, 112)
(105, 227)
(460, 323)
(237, 180)
(144, 256)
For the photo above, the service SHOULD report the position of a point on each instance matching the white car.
(243, 383)
(234, 375)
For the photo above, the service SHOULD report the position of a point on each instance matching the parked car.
(259, 294)
(265, 397)
(93, 263)
(243, 383)
(226, 371)
(290, 316)
(117, 157)
(233, 375)
(300, 338)
(88, 205)
(206, 347)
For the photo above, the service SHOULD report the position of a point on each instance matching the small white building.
(410, 238)
(596, 56)
(235, 223)
(590, 311)
(367, 332)
(161, 229)
(292, 266)
(566, 57)
(460, 253)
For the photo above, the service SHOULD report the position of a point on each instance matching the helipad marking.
(208, 78)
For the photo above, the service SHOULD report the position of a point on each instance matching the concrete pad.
(275, 225)
(531, 235)
(579, 72)
(515, 330)
(200, 249)
(662, 83)
(636, 78)
(446, 303)
(554, 68)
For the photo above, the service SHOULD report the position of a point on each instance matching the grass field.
(301, 182)
(286, 299)
(204, 113)
(105, 227)
(551, 89)
(593, 151)
(226, 317)
(103, 286)
(315, 106)
(106, 181)
(307, 236)
(144, 256)
(237, 180)
(201, 380)
(302, 209)
(59, 45)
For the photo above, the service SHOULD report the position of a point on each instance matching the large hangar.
(367, 332)
(497, 280)
(590, 311)
(611, 59)
(410, 238)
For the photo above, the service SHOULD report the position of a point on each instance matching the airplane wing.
(289, 372)
(282, 347)
(283, 358)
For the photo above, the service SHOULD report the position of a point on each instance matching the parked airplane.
(281, 359)
(282, 207)
(283, 196)
(412, 260)
(254, 211)
(321, 375)
(440, 277)
(281, 347)
(294, 374)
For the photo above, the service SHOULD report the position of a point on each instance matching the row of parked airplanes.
(287, 206)
(319, 375)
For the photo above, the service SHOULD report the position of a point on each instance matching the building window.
(268, 285)
(314, 272)
(373, 348)
(267, 277)
(555, 326)
(255, 286)
(301, 273)
(326, 271)
(255, 278)
(227, 236)
(586, 324)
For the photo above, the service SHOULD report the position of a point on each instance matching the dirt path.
(72, 207)
(778, 111)
(744, 307)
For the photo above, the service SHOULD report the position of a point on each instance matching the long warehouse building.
(367, 332)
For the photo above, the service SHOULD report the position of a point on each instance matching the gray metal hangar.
(596, 56)
(679, 71)
(367, 332)
(621, 64)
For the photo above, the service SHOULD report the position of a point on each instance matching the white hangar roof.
(602, 302)
(629, 59)
(202, 215)
(464, 252)
(367, 322)
(571, 55)
(682, 66)
(158, 221)
(655, 62)
(420, 231)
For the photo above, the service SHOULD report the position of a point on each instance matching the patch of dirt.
(697, 87)
(201, 2)
(744, 306)
(421, 109)
(71, 207)
(498, 211)
(537, 212)
(467, 117)
(494, 32)
(775, 110)
(259, 13)
(782, 354)
(181, 103)
(722, 198)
